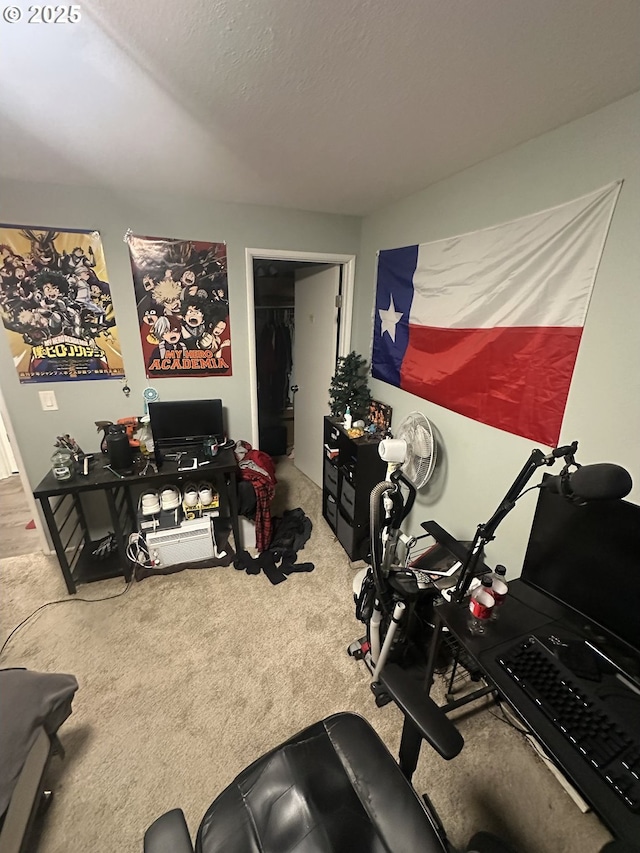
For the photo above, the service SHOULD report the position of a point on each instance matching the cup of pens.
(67, 454)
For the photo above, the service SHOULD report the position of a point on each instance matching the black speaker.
(118, 448)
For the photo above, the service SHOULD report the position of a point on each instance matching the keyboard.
(581, 717)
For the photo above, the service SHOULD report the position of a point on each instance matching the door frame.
(348, 265)
(26, 485)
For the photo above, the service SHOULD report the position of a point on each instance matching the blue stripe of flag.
(396, 268)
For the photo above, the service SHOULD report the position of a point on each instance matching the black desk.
(61, 503)
(527, 612)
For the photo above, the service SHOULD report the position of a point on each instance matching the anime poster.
(55, 304)
(183, 306)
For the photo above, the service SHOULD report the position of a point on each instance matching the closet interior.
(274, 295)
(274, 290)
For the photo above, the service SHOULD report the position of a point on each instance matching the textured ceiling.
(329, 105)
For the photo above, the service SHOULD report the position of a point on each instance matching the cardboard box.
(199, 510)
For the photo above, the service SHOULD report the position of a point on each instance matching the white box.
(247, 533)
(191, 542)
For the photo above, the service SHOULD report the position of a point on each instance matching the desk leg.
(434, 645)
(450, 705)
(57, 544)
(232, 494)
(81, 516)
(131, 509)
(119, 534)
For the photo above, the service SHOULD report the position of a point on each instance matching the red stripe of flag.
(514, 378)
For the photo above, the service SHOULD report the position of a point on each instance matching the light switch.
(48, 401)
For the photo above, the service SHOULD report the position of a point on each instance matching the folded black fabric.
(291, 531)
(276, 564)
(297, 567)
(264, 562)
(268, 564)
(246, 563)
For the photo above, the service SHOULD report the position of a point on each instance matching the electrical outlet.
(48, 401)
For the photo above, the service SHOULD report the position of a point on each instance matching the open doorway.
(8, 464)
(299, 322)
(21, 531)
(274, 293)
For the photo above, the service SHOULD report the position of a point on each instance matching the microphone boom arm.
(486, 532)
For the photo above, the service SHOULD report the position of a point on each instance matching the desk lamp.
(602, 481)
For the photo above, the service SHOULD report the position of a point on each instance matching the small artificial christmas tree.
(349, 387)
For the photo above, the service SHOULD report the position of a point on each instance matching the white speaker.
(393, 450)
(191, 542)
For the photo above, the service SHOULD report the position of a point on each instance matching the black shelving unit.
(352, 467)
(62, 506)
(69, 531)
(89, 568)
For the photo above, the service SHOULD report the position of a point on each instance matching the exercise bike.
(393, 600)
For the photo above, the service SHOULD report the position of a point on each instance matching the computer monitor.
(186, 422)
(588, 558)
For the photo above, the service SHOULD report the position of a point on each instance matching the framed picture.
(380, 416)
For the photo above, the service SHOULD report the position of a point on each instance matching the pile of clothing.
(278, 561)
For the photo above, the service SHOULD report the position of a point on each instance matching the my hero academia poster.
(55, 304)
(183, 306)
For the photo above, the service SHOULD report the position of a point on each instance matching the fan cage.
(417, 432)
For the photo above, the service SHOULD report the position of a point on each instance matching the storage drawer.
(348, 498)
(346, 534)
(331, 511)
(331, 478)
(334, 434)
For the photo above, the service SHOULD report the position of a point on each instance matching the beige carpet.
(186, 679)
(15, 514)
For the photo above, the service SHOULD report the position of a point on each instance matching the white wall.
(603, 411)
(241, 226)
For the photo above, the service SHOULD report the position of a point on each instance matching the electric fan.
(150, 395)
(413, 449)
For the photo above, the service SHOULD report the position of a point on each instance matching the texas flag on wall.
(488, 324)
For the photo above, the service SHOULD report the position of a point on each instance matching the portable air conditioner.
(190, 542)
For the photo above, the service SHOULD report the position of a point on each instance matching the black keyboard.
(582, 718)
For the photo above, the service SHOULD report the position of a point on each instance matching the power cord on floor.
(138, 551)
(508, 719)
(61, 601)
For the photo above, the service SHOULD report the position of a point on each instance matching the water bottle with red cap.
(481, 605)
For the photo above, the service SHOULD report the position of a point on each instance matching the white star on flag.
(390, 319)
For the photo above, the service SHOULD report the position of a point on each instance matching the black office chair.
(333, 788)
